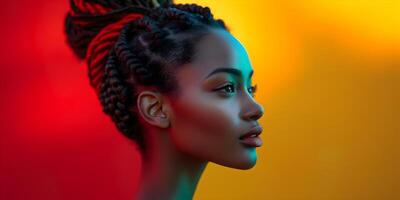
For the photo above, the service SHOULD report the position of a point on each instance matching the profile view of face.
(213, 111)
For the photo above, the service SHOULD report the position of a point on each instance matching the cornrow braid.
(133, 59)
(116, 98)
(114, 93)
(204, 12)
(132, 43)
(100, 46)
(100, 7)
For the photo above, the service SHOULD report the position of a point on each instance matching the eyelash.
(253, 88)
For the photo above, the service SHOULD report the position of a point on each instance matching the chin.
(244, 163)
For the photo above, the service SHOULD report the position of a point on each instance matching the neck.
(166, 172)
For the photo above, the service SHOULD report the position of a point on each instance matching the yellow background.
(329, 79)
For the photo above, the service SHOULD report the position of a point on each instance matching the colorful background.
(329, 79)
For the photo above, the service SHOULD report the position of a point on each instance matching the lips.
(253, 132)
(251, 139)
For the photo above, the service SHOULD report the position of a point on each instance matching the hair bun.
(86, 18)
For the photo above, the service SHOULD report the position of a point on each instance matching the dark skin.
(202, 124)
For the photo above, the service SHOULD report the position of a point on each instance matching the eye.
(231, 88)
(253, 89)
(228, 88)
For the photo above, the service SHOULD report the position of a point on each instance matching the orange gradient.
(329, 78)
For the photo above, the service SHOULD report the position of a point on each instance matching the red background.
(55, 142)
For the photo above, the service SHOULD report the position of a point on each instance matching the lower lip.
(252, 141)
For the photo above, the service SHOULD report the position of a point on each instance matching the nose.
(253, 111)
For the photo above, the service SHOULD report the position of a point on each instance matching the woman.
(175, 81)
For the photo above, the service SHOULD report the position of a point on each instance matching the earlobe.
(151, 109)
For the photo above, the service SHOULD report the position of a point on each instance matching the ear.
(152, 109)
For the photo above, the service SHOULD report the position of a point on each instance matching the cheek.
(200, 125)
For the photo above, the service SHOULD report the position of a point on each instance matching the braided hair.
(132, 43)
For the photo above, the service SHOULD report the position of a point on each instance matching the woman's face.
(209, 116)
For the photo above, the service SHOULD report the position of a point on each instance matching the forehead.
(220, 49)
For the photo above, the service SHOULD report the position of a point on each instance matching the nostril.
(256, 112)
(256, 116)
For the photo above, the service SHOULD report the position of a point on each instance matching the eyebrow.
(232, 71)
